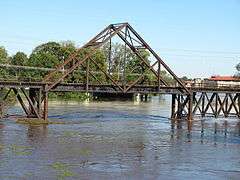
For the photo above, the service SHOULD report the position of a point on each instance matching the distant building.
(197, 82)
(223, 81)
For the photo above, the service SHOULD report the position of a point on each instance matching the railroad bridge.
(187, 102)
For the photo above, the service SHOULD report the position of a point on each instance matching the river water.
(119, 140)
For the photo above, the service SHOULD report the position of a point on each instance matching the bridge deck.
(145, 89)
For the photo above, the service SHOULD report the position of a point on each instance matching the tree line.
(50, 54)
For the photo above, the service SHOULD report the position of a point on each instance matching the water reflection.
(37, 134)
(1, 136)
(205, 129)
(123, 140)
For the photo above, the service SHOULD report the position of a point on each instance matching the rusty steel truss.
(215, 104)
(186, 101)
(133, 41)
(36, 104)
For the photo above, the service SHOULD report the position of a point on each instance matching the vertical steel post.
(226, 106)
(159, 72)
(110, 56)
(45, 104)
(238, 104)
(39, 104)
(203, 105)
(87, 75)
(146, 97)
(216, 105)
(124, 60)
(190, 107)
(32, 97)
(179, 107)
(173, 106)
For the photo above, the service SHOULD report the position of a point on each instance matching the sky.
(195, 38)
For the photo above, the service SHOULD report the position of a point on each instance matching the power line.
(201, 51)
(199, 56)
(20, 38)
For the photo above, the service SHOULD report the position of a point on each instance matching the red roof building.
(223, 78)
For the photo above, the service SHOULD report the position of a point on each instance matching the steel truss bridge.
(187, 102)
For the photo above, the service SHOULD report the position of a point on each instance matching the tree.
(49, 55)
(19, 58)
(123, 57)
(79, 75)
(46, 55)
(4, 59)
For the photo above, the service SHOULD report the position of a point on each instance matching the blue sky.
(195, 38)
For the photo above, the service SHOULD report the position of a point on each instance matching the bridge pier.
(190, 107)
(33, 98)
(31, 101)
(184, 106)
(45, 105)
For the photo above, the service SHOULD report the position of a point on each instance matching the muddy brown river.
(119, 140)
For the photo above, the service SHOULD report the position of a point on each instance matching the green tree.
(49, 55)
(3, 55)
(4, 59)
(46, 55)
(79, 75)
(19, 59)
(123, 57)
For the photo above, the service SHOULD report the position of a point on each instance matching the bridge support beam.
(45, 106)
(190, 107)
(205, 104)
(45, 103)
(173, 110)
(33, 99)
(33, 103)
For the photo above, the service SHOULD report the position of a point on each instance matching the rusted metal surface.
(206, 104)
(95, 43)
(33, 111)
(208, 101)
(115, 88)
